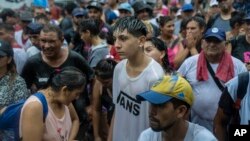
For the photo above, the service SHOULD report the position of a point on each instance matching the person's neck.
(136, 65)
(166, 38)
(226, 16)
(51, 98)
(3, 71)
(140, 61)
(56, 57)
(96, 41)
(180, 127)
(214, 59)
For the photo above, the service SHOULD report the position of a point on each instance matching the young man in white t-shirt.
(133, 75)
(170, 100)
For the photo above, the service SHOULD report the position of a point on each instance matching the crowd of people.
(126, 70)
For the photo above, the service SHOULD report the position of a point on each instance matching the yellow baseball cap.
(168, 87)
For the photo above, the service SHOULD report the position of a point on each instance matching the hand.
(191, 41)
(89, 112)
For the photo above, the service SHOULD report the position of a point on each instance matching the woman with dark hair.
(12, 86)
(156, 48)
(62, 122)
(173, 42)
(195, 26)
(103, 106)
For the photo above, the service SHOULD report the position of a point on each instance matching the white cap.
(213, 3)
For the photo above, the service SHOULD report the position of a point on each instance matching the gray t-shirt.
(97, 53)
(195, 132)
(222, 24)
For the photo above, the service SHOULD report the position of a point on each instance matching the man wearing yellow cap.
(170, 100)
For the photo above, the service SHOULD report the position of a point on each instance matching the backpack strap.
(216, 80)
(43, 100)
(243, 80)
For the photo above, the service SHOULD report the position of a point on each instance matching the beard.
(161, 127)
(225, 8)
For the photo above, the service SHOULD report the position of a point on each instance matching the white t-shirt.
(207, 94)
(131, 115)
(244, 111)
(18, 38)
(32, 51)
(195, 132)
(20, 58)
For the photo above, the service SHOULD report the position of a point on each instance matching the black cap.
(5, 49)
(79, 12)
(95, 4)
(34, 28)
(140, 5)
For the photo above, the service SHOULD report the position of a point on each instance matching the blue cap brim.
(153, 97)
(216, 36)
(124, 9)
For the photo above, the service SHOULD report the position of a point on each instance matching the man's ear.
(62, 38)
(163, 53)
(142, 40)
(203, 43)
(182, 110)
(9, 59)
